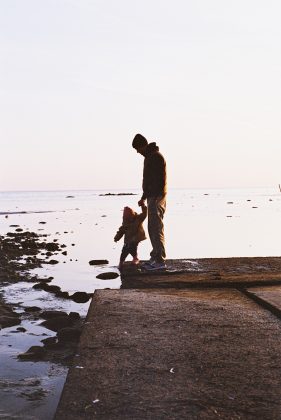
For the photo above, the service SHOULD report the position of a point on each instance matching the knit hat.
(128, 213)
(139, 141)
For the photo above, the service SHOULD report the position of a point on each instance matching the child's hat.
(128, 213)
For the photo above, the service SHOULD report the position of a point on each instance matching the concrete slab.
(269, 297)
(206, 272)
(175, 354)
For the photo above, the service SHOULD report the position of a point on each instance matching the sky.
(79, 78)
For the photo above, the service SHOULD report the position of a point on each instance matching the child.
(133, 232)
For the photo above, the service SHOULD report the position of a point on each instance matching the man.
(154, 187)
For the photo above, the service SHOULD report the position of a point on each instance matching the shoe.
(135, 261)
(156, 266)
(148, 263)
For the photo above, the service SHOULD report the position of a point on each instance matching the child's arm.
(143, 215)
(119, 234)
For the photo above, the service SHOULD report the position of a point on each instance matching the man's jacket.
(154, 173)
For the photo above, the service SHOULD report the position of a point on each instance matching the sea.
(199, 223)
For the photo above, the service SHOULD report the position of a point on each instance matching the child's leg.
(124, 253)
(134, 252)
(133, 249)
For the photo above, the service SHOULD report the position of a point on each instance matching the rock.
(32, 309)
(52, 262)
(52, 288)
(21, 329)
(61, 294)
(39, 286)
(52, 314)
(52, 246)
(70, 196)
(42, 223)
(14, 225)
(74, 316)
(56, 324)
(49, 342)
(45, 280)
(64, 253)
(107, 276)
(10, 320)
(69, 334)
(34, 352)
(19, 230)
(80, 297)
(98, 262)
(112, 194)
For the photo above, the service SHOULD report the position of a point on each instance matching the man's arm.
(141, 202)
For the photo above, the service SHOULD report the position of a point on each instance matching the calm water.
(198, 223)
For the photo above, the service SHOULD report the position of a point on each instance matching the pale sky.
(79, 78)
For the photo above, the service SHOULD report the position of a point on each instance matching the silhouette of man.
(154, 187)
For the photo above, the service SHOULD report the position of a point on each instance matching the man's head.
(140, 144)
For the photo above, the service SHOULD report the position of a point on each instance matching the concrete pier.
(176, 346)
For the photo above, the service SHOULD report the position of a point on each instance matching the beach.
(48, 240)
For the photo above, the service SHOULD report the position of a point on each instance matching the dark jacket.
(132, 229)
(154, 173)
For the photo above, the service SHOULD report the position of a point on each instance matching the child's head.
(128, 214)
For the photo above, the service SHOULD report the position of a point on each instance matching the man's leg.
(156, 209)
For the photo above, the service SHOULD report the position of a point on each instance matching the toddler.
(133, 232)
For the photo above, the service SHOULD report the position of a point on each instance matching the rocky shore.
(22, 251)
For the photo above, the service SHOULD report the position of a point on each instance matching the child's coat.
(133, 229)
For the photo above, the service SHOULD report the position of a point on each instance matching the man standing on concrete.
(154, 191)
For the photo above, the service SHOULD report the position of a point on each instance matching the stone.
(80, 297)
(74, 315)
(107, 276)
(52, 314)
(52, 288)
(98, 262)
(64, 295)
(21, 329)
(32, 309)
(69, 334)
(34, 352)
(39, 286)
(56, 324)
(52, 262)
(9, 320)
(49, 341)
(52, 246)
